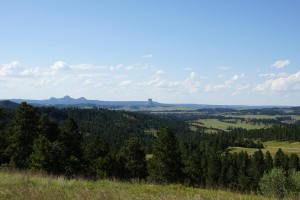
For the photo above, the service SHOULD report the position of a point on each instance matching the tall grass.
(28, 185)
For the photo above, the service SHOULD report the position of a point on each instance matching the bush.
(293, 184)
(273, 183)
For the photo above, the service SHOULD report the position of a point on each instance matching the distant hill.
(68, 101)
(82, 102)
(8, 104)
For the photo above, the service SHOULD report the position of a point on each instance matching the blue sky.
(211, 52)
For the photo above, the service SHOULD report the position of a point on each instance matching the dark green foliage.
(243, 180)
(40, 157)
(268, 162)
(256, 169)
(248, 143)
(165, 166)
(3, 137)
(193, 173)
(213, 170)
(294, 162)
(48, 128)
(132, 160)
(99, 159)
(281, 160)
(71, 140)
(232, 173)
(23, 132)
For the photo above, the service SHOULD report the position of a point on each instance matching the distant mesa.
(150, 103)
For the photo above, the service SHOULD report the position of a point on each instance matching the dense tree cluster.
(97, 143)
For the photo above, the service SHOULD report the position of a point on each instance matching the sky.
(223, 52)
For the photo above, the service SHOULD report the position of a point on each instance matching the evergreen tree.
(23, 133)
(193, 172)
(99, 159)
(40, 156)
(71, 140)
(243, 181)
(213, 170)
(48, 128)
(256, 169)
(165, 166)
(281, 160)
(268, 162)
(294, 162)
(133, 159)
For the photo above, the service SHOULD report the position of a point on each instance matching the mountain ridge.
(68, 101)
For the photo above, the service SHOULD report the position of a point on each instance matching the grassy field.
(255, 116)
(215, 123)
(25, 185)
(272, 147)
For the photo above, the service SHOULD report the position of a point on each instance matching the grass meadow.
(29, 185)
(272, 147)
(222, 125)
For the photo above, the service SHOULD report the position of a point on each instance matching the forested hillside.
(99, 143)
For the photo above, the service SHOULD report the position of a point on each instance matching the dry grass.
(26, 185)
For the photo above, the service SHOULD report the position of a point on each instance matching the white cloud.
(60, 65)
(221, 76)
(223, 68)
(273, 75)
(226, 85)
(125, 83)
(147, 56)
(193, 75)
(281, 63)
(289, 82)
(10, 68)
(31, 72)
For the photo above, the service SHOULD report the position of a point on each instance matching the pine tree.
(48, 128)
(40, 157)
(243, 181)
(256, 169)
(133, 159)
(3, 138)
(165, 166)
(281, 160)
(71, 140)
(213, 170)
(268, 162)
(23, 133)
(193, 171)
(99, 159)
(294, 162)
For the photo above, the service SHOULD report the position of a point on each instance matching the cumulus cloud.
(289, 82)
(10, 68)
(60, 65)
(223, 68)
(281, 64)
(31, 72)
(193, 75)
